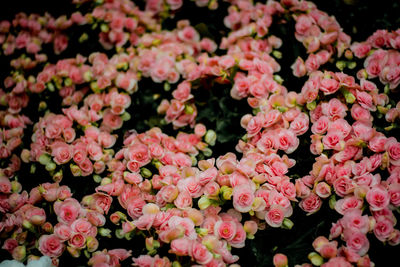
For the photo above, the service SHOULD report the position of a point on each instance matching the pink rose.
(62, 231)
(184, 200)
(300, 124)
(243, 197)
(383, 229)
(358, 242)
(201, 254)
(378, 198)
(77, 241)
(329, 86)
(280, 260)
(225, 229)
(274, 216)
(61, 152)
(68, 210)
(393, 149)
(181, 246)
(299, 68)
(182, 93)
(360, 50)
(365, 100)
(311, 204)
(394, 194)
(50, 245)
(360, 113)
(353, 220)
(348, 203)
(287, 141)
(323, 190)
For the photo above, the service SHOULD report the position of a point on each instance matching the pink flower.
(5, 185)
(299, 68)
(378, 198)
(68, 210)
(182, 93)
(383, 229)
(200, 253)
(274, 216)
(62, 231)
(393, 148)
(243, 197)
(300, 124)
(181, 246)
(358, 242)
(287, 141)
(50, 245)
(311, 204)
(280, 260)
(61, 152)
(354, 221)
(77, 240)
(184, 200)
(329, 86)
(360, 50)
(225, 229)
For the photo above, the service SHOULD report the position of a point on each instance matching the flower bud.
(287, 224)
(16, 187)
(106, 181)
(44, 159)
(75, 170)
(57, 177)
(51, 166)
(47, 227)
(19, 253)
(226, 192)
(105, 232)
(311, 105)
(204, 202)
(25, 155)
(211, 137)
(207, 152)
(340, 64)
(250, 227)
(280, 260)
(315, 259)
(202, 231)
(74, 252)
(146, 173)
(126, 116)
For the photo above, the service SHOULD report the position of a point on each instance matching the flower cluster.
(167, 190)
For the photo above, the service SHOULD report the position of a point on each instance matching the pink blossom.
(243, 197)
(50, 245)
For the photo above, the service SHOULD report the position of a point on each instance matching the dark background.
(359, 20)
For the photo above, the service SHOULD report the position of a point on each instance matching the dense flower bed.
(168, 146)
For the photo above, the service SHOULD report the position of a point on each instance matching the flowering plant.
(166, 142)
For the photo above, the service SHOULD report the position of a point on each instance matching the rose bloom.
(50, 245)
(311, 204)
(225, 229)
(181, 246)
(348, 203)
(68, 210)
(62, 152)
(77, 241)
(184, 200)
(378, 198)
(243, 197)
(358, 242)
(383, 229)
(62, 231)
(274, 216)
(201, 254)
